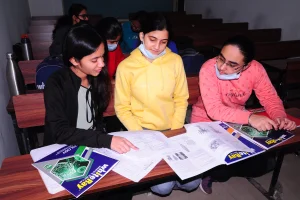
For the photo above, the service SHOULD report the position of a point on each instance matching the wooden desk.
(10, 106)
(278, 64)
(275, 70)
(28, 70)
(284, 73)
(20, 180)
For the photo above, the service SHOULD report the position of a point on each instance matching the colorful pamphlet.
(76, 168)
(266, 139)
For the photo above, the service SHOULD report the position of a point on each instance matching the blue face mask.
(112, 47)
(148, 54)
(227, 76)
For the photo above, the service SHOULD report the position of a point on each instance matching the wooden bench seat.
(28, 70)
(42, 22)
(210, 29)
(30, 109)
(202, 23)
(216, 38)
(45, 17)
(40, 50)
(41, 29)
(277, 50)
(40, 37)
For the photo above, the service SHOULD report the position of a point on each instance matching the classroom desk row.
(19, 180)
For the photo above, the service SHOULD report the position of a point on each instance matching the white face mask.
(148, 54)
(227, 76)
(112, 47)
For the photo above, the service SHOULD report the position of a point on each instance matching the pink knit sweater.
(225, 99)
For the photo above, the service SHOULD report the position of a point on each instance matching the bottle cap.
(24, 36)
(9, 55)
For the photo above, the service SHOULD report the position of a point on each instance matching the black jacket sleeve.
(58, 125)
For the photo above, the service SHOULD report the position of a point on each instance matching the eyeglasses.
(84, 16)
(221, 61)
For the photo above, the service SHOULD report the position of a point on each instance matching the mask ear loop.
(245, 67)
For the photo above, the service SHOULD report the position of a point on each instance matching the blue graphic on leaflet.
(76, 168)
(274, 138)
(225, 126)
(240, 155)
(65, 151)
(92, 171)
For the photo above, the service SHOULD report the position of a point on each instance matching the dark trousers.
(249, 168)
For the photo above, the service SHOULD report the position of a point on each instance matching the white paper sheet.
(37, 154)
(214, 139)
(136, 164)
(134, 169)
(187, 158)
(204, 146)
(150, 143)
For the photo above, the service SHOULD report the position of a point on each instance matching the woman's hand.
(285, 123)
(262, 123)
(121, 145)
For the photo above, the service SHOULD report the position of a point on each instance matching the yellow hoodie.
(151, 95)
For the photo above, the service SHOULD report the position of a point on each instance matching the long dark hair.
(109, 27)
(66, 20)
(83, 40)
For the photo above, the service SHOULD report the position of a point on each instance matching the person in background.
(76, 96)
(226, 82)
(111, 29)
(131, 31)
(76, 14)
(151, 89)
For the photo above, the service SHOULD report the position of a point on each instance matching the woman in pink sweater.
(226, 82)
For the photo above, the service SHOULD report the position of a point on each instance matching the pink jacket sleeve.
(212, 99)
(266, 93)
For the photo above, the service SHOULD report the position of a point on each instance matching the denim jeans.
(165, 189)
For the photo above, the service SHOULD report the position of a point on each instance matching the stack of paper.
(204, 146)
(136, 164)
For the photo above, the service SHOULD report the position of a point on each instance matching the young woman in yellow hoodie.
(151, 89)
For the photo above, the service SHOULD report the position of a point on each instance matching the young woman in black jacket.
(76, 96)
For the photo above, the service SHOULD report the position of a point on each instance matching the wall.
(14, 20)
(46, 7)
(121, 8)
(260, 14)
